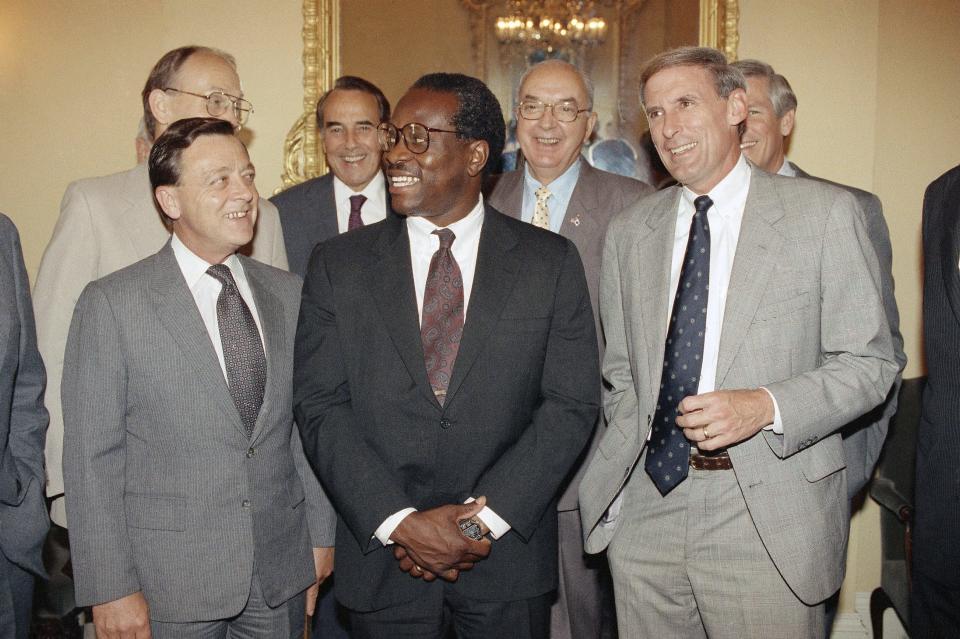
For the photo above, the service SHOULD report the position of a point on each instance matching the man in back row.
(559, 191)
(110, 222)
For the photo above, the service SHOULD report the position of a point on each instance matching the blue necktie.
(668, 451)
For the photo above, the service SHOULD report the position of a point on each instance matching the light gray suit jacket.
(23, 420)
(105, 224)
(803, 317)
(863, 439)
(597, 197)
(165, 492)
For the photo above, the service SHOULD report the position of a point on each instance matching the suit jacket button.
(245, 503)
(445, 423)
(251, 453)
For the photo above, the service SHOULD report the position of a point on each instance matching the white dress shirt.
(374, 209)
(423, 244)
(206, 289)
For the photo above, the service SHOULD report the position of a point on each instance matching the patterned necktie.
(356, 203)
(442, 325)
(242, 348)
(541, 214)
(668, 451)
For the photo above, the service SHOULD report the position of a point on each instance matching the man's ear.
(160, 107)
(167, 199)
(591, 125)
(787, 122)
(479, 156)
(737, 106)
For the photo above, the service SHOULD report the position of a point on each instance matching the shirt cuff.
(777, 425)
(390, 524)
(498, 527)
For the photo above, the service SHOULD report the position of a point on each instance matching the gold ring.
(706, 435)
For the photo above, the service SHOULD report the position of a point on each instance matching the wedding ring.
(706, 435)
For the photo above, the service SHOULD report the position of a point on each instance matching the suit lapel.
(390, 281)
(950, 252)
(326, 216)
(507, 195)
(754, 262)
(274, 333)
(178, 313)
(497, 265)
(580, 220)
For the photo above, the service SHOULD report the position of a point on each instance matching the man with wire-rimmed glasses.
(107, 223)
(557, 190)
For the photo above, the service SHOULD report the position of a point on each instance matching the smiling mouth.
(353, 159)
(748, 144)
(237, 215)
(403, 181)
(548, 141)
(682, 148)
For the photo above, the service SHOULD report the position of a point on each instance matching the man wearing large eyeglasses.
(558, 190)
(110, 222)
(445, 357)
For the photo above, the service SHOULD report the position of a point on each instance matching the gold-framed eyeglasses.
(218, 102)
(415, 135)
(563, 111)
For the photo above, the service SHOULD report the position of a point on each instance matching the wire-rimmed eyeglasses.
(415, 135)
(563, 111)
(218, 102)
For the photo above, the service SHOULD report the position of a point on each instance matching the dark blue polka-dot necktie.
(668, 451)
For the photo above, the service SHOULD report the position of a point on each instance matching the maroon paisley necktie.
(442, 324)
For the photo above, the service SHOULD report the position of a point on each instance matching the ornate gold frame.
(302, 157)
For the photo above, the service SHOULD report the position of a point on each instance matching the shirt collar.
(195, 267)
(562, 187)
(730, 193)
(787, 169)
(372, 191)
(422, 228)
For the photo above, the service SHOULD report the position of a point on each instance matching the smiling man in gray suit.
(353, 194)
(192, 509)
(560, 191)
(744, 327)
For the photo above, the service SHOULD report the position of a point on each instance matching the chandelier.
(551, 25)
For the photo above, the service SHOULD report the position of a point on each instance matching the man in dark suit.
(443, 357)
(353, 193)
(562, 192)
(772, 107)
(935, 602)
(23, 422)
(192, 508)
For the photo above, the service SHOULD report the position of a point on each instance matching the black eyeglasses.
(218, 102)
(415, 135)
(564, 111)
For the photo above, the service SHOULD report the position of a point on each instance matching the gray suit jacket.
(23, 419)
(105, 224)
(863, 438)
(596, 198)
(803, 317)
(165, 492)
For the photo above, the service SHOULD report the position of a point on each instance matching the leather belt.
(718, 461)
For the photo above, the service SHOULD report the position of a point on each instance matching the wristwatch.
(470, 528)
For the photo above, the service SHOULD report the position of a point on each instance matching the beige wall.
(877, 83)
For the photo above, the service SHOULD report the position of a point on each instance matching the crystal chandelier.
(551, 25)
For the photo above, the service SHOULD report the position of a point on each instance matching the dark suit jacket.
(308, 216)
(863, 439)
(597, 197)
(521, 403)
(166, 493)
(23, 419)
(936, 552)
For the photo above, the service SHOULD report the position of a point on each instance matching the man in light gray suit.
(107, 223)
(554, 120)
(771, 114)
(23, 420)
(192, 509)
(353, 194)
(744, 327)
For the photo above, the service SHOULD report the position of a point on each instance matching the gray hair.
(726, 77)
(584, 78)
(780, 92)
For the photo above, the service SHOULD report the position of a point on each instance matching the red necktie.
(442, 324)
(356, 203)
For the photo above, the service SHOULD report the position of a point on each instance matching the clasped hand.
(722, 418)
(429, 543)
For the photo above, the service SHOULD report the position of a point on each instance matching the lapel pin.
(576, 220)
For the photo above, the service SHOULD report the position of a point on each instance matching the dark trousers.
(448, 613)
(934, 609)
(16, 597)
(330, 618)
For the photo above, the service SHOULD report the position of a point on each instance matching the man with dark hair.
(353, 193)
(107, 223)
(192, 508)
(559, 191)
(446, 380)
(745, 327)
(23, 420)
(771, 114)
